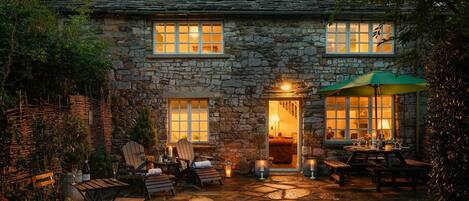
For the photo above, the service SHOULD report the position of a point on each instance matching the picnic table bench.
(408, 174)
(337, 170)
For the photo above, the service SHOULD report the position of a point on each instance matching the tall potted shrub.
(143, 131)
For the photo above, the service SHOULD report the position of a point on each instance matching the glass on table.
(115, 167)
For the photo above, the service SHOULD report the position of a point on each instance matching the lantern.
(228, 169)
(262, 169)
(310, 167)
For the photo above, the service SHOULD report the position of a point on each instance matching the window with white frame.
(349, 118)
(188, 37)
(188, 119)
(359, 38)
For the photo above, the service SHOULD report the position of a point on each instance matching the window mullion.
(176, 37)
(200, 36)
(370, 37)
(189, 120)
(347, 37)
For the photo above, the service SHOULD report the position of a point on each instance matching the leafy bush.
(143, 131)
(74, 145)
(100, 164)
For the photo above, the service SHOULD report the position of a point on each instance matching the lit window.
(349, 118)
(188, 119)
(359, 38)
(192, 37)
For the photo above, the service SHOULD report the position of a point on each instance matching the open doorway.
(284, 127)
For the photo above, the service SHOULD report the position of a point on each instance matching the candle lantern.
(228, 168)
(170, 151)
(310, 168)
(262, 169)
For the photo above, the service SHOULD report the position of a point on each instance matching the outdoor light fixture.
(286, 86)
(228, 168)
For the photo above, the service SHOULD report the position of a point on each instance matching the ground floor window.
(188, 119)
(351, 118)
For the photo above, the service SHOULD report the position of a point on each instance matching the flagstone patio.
(294, 187)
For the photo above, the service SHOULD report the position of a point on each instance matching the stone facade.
(259, 53)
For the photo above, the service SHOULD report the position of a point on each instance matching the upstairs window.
(359, 38)
(188, 37)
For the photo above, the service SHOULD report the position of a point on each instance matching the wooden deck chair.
(186, 156)
(136, 168)
(44, 185)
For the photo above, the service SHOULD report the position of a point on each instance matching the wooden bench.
(407, 173)
(426, 167)
(337, 170)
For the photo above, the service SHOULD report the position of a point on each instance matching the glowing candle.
(170, 151)
(228, 170)
(261, 165)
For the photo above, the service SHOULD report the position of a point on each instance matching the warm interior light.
(285, 86)
(274, 118)
(228, 170)
(383, 124)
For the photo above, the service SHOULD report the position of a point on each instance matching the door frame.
(300, 134)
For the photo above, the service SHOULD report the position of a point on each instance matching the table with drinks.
(365, 154)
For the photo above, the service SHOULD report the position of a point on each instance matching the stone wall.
(260, 53)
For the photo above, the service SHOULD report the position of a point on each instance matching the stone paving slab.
(244, 188)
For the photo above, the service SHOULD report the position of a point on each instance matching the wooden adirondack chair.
(186, 157)
(136, 164)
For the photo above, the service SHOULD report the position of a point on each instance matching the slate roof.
(218, 6)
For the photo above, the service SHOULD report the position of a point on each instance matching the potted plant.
(143, 131)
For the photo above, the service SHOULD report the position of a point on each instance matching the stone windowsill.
(188, 56)
(360, 55)
(198, 145)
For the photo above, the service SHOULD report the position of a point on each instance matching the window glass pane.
(364, 38)
(387, 28)
(206, 38)
(216, 28)
(364, 27)
(194, 48)
(206, 48)
(354, 27)
(331, 27)
(354, 47)
(217, 48)
(341, 124)
(184, 48)
(330, 47)
(203, 126)
(341, 48)
(174, 126)
(203, 115)
(354, 38)
(330, 113)
(216, 38)
(353, 123)
(206, 28)
(194, 37)
(340, 27)
(196, 136)
(174, 136)
(183, 28)
(159, 38)
(160, 28)
(331, 123)
(354, 113)
(170, 38)
(170, 28)
(160, 48)
(195, 115)
(183, 38)
(170, 48)
(204, 136)
(364, 48)
(387, 47)
(341, 101)
(195, 126)
(183, 135)
(341, 38)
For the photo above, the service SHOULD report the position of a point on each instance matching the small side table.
(170, 168)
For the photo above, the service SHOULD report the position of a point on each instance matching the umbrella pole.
(376, 112)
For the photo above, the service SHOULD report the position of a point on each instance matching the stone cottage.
(241, 79)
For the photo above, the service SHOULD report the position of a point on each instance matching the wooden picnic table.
(369, 152)
(96, 189)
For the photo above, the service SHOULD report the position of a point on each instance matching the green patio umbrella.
(376, 83)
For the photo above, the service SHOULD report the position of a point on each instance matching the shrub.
(143, 131)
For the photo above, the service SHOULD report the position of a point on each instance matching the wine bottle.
(86, 172)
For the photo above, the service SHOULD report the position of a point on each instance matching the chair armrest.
(180, 160)
(206, 157)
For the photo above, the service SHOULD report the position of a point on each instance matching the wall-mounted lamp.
(286, 86)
